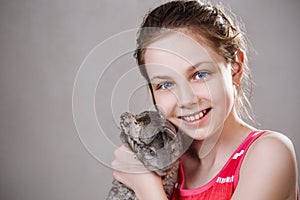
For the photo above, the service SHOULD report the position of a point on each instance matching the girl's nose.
(186, 96)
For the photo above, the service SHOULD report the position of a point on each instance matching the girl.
(194, 60)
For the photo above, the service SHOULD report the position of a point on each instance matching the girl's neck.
(219, 147)
(204, 159)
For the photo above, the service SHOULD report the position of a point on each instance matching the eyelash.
(170, 84)
(203, 75)
(161, 85)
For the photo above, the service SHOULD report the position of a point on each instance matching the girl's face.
(192, 84)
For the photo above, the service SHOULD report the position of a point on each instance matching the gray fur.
(156, 143)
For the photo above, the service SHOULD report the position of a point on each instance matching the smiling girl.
(194, 59)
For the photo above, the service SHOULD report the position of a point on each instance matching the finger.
(124, 154)
(125, 148)
(132, 168)
(128, 166)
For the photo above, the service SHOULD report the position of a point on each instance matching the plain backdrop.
(44, 43)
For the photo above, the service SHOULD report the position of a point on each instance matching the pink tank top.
(222, 186)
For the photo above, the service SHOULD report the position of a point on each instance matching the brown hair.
(207, 20)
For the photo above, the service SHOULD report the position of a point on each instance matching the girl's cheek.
(166, 103)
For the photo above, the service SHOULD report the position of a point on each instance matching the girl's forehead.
(179, 48)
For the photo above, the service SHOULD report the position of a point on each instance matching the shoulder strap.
(253, 136)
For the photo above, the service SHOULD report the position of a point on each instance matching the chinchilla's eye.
(152, 152)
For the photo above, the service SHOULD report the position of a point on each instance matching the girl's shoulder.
(269, 168)
(272, 140)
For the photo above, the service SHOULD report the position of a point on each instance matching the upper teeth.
(195, 117)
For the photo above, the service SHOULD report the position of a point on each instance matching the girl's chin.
(199, 134)
(202, 133)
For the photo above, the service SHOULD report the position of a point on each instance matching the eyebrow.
(191, 68)
(159, 77)
(201, 63)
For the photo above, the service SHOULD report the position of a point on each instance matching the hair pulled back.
(205, 19)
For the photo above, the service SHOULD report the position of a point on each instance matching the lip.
(196, 122)
(195, 113)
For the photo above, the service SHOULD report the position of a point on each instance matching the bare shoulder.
(269, 170)
(272, 142)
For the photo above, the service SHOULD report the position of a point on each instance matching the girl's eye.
(201, 75)
(164, 86)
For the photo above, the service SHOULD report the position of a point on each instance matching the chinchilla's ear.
(169, 132)
(144, 117)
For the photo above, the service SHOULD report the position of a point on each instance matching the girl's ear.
(238, 67)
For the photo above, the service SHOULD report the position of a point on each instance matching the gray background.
(42, 45)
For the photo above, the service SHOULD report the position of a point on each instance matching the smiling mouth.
(197, 116)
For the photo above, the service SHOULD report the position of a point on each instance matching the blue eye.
(201, 75)
(164, 86)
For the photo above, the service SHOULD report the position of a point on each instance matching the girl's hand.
(131, 172)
